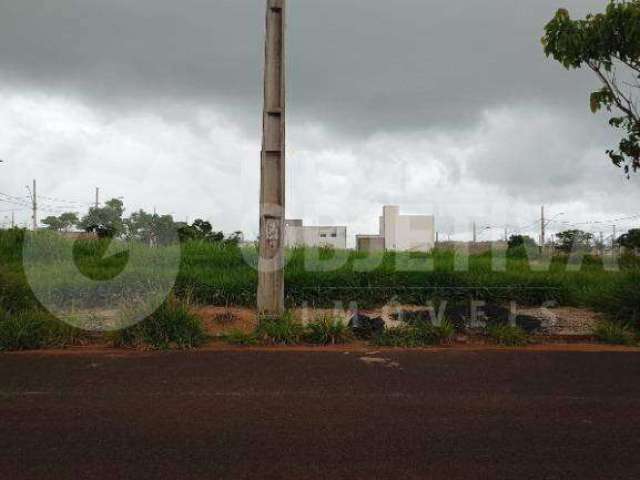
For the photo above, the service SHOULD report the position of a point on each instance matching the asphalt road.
(307, 415)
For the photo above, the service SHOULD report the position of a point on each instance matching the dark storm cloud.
(447, 106)
(355, 65)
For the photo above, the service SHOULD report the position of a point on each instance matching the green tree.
(52, 223)
(61, 223)
(151, 228)
(630, 240)
(164, 229)
(234, 239)
(138, 226)
(105, 221)
(68, 220)
(200, 230)
(516, 241)
(609, 44)
(572, 240)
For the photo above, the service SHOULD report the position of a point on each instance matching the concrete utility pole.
(613, 239)
(97, 197)
(34, 201)
(13, 219)
(475, 233)
(542, 228)
(272, 170)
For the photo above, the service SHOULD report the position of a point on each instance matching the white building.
(400, 233)
(297, 235)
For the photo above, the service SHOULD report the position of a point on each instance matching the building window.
(323, 235)
(334, 235)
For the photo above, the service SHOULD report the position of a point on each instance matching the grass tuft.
(284, 330)
(507, 335)
(238, 337)
(444, 332)
(328, 331)
(615, 333)
(419, 335)
(35, 329)
(173, 325)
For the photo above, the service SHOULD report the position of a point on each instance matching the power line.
(61, 200)
(48, 206)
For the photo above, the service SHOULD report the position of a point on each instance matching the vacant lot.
(218, 275)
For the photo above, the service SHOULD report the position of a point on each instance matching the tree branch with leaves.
(609, 44)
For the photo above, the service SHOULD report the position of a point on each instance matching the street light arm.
(553, 218)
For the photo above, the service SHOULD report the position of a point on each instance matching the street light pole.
(272, 169)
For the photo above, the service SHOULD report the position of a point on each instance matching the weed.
(445, 331)
(170, 326)
(34, 329)
(507, 335)
(419, 335)
(328, 331)
(615, 333)
(238, 337)
(283, 330)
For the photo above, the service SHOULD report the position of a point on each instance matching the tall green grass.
(173, 325)
(225, 275)
(35, 329)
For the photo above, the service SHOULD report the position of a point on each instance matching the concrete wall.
(297, 235)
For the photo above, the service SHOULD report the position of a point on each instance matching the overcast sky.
(439, 106)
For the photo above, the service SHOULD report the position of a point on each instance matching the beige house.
(400, 233)
(299, 235)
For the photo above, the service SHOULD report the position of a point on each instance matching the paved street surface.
(306, 415)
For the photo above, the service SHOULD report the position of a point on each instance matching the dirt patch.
(220, 320)
(564, 320)
(561, 321)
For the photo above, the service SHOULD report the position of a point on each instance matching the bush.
(35, 329)
(284, 330)
(328, 331)
(238, 337)
(419, 335)
(615, 333)
(507, 335)
(170, 326)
